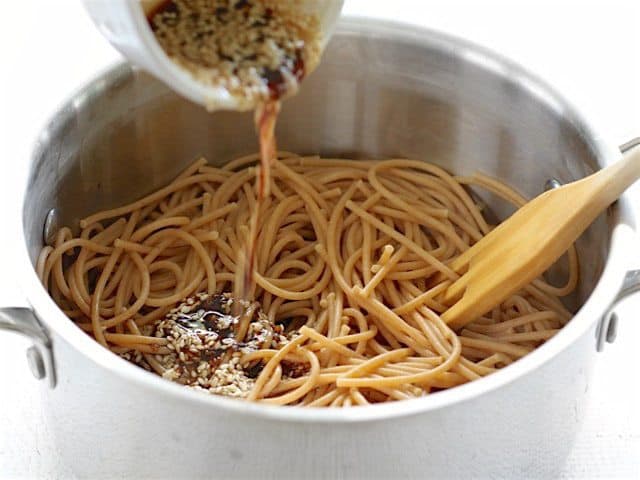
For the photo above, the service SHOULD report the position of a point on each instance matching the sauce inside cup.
(258, 50)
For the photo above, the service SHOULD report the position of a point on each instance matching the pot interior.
(381, 91)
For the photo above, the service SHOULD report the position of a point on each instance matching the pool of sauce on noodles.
(265, 120)
(213, 315)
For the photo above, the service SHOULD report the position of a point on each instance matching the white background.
(588, 49)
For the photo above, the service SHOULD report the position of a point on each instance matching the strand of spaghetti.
(375, 307)
(315, 161)
(526, 337)
(331, 255)
(389, 382)
(431, 260)
(314, 203)
(226, 190)
(293, 295)
(302, 389)
(394, 381)
(151, 360)
(200, 250)
(102, 281)
(179, 293)
(182, 208)
(460, 200)
(40, 262)
(211, 215)
(494, 346)
(243, 161)
(386, 268)
(362, 325)
(290, 247)
(395, 200)
(315, 394)
(125, 339)
(105, 237)
(443, 175)
(273, 381)
(425, 215)
(449, 181)
(135, 308)
(368, 203)
(271, 364)
(152, 349)
(373, 363)
(437, 332)
(356, 337)
(452, 350)
(143, 202)
(387, 251)
(323, 380)
(357, 397)
(83, 305)
(159, 224)
(326, 342)
(58, 251)
(495, 359)
(366, 251)
(548, 301)
(310, 276)
(325, 399)
(572, 281)
(268, 353)
(422, 299)
(513, 323)
(494, 186)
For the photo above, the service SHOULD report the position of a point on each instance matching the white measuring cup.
(124, 23)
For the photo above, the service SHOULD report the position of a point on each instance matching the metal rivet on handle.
(551, 184)
(50, 227)
(36, 364)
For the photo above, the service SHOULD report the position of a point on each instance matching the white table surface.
(589, 49)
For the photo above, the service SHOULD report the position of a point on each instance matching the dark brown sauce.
(205, 334)
(210, 312)
(276, 79)
(265, 121)
(167, 6)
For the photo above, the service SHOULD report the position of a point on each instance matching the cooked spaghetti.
(351, 263)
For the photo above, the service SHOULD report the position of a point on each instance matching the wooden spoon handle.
(615, 179)
(525, 245)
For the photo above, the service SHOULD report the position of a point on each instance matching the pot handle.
(23, 320)
(608, 325)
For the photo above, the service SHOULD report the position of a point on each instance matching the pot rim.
(605, 290)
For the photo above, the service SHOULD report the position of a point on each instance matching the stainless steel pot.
(382, 90)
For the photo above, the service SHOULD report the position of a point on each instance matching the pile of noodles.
(352, 256)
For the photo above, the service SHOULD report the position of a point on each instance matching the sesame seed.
(257, 51)
(204, 351)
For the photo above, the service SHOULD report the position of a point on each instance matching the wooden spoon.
(531, 240)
